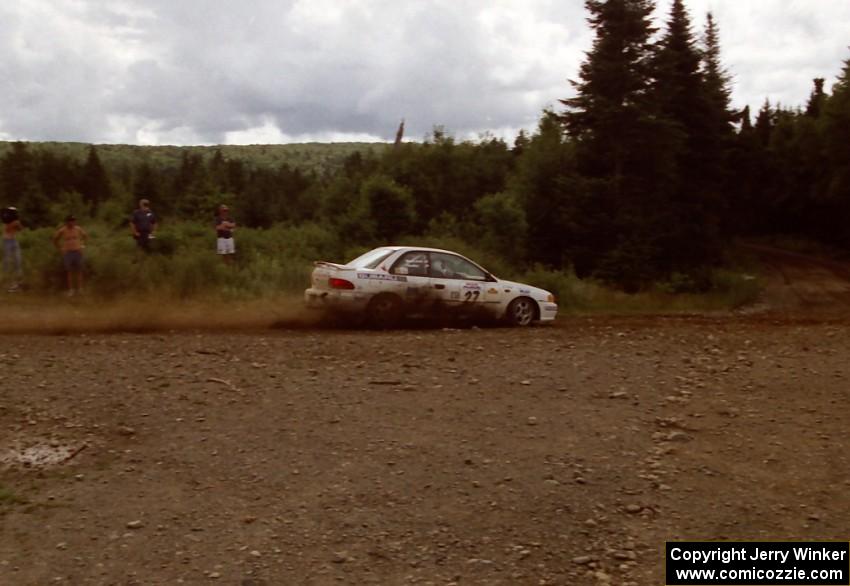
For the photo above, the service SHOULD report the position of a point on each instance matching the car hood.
(523, 289)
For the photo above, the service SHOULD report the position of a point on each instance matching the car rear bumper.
(323, 299)
(548, 311)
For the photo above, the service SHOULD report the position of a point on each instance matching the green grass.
(728, 290)
(183, 264)
(183, 283)
(9, 498)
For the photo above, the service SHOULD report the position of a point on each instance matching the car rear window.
(371, 259)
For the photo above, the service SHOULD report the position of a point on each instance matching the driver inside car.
(442, 270)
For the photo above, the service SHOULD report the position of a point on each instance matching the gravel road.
(555, 455)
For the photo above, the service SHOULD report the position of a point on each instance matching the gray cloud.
(210, 71)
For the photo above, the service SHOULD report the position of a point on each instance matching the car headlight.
(550, 298)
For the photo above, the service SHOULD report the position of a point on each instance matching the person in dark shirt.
(11, 249)
(224, 227)
(143, 224)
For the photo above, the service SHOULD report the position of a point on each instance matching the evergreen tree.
(624, 147)
(501, 225)
(520, 142)
(547, 157)
(717, 79)
(697, 111)
(606, 117)
(746, 120)
(194, 193)
(146, 185)
(391, 207)
(94, 183)
(260, 206)
(755, 169)
(816, 99)
(20, 186)
(235, 176)
(743, 185)
(836, 129)
(218, 170)
(763, 127)
(56, 174)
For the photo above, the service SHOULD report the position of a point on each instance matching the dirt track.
(801, 283)
(557, 455)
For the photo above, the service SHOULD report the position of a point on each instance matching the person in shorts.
(70, 239)
(143, 225)
(11, 248)
(224, 227)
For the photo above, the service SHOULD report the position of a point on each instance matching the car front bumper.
(548, 310)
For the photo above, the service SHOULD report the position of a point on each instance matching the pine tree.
(678, 83)
(721, 118)
(20, 185)
(836, 129)
(540, 169)
(746, 120)
(717, 79)
(56, 174)
(605, 117)
(816, 99)
(697, 110)
(146, 185)
(623, 147)
(756, 170)
(94, 183)
(765, 121)
(194, 195)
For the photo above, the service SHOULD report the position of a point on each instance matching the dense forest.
(644, 172)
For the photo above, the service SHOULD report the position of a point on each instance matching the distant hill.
(315, 157)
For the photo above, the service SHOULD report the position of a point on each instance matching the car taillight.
(340, 283)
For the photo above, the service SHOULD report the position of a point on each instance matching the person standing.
(70, 239)
(143, 224)
(224, 227)
(11, 248)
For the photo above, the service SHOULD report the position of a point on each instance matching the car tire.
(521, 312)
(384, 311)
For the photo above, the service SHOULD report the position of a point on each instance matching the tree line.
(646, 171)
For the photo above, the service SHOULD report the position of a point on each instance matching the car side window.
(413, 263)
(449, 266)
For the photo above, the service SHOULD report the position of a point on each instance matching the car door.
(457, 282)
(414, 267)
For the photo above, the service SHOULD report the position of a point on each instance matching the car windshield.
(371, 259)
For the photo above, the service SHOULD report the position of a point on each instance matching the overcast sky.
(271, 71)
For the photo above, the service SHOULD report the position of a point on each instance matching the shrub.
(565, 285)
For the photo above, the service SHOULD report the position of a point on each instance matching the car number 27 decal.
(470, 296)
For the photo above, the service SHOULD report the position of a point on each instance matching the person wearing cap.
(224, 226)
(11, 248)
(143, 224)
(70, 239)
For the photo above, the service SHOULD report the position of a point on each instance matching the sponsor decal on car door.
(456, 281)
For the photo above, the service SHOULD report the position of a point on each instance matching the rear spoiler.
(333, 265)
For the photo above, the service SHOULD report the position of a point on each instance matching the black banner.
(816, 563)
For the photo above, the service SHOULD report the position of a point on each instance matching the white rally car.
(394, 281)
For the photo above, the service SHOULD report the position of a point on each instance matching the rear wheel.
(384, 311)
(521, 312)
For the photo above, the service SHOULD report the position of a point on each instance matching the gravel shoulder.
(555, 455)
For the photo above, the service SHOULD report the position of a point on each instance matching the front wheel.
(521, 312)
(384, 311)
